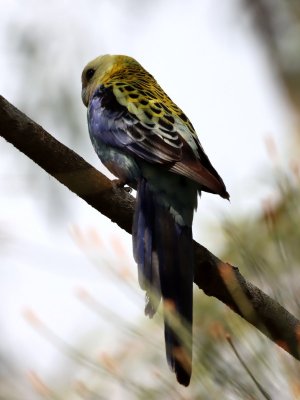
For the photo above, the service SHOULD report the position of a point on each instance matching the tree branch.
(215, 277)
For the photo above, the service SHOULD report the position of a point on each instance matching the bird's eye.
(89, 74)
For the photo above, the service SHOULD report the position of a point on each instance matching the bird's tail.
(164, 254)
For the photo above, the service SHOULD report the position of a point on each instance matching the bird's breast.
(122, 165)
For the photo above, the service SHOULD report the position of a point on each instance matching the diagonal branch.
(215, 277)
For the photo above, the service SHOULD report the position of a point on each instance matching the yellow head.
(99, 71)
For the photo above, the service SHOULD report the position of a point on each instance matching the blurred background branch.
(277, 26)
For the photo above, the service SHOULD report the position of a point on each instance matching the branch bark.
(215, 277)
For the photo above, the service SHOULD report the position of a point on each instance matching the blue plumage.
(163, 250)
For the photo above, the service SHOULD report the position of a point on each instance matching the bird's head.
(99, 71)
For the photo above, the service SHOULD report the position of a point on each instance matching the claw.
(120, 183)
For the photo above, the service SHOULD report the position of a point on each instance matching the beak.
(84, 96)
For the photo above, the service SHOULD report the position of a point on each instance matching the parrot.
(149, 144)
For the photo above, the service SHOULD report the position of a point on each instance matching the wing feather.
(160, 141)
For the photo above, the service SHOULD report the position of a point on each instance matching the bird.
(149, 144)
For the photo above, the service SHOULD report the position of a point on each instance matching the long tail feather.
(176, 278)
(144, 251)
(164, 254)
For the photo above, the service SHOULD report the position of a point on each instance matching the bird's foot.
(120, 184)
